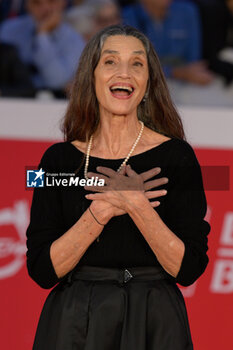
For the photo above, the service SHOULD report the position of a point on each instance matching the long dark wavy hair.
(157, 111)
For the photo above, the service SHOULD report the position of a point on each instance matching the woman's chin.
(121, 111)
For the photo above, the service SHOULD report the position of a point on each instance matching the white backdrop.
(36, 119)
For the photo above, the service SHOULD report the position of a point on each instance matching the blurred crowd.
(41, 42)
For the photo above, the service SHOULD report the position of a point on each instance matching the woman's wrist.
(137, 202)
(101, 211)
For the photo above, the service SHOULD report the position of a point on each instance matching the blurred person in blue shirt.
(174, 29)
(14, 8)
(50, 47)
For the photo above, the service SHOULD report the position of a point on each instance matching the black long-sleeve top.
(121, 244)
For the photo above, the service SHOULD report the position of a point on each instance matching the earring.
(145, 97)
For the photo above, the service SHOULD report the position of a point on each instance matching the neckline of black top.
(161, 145)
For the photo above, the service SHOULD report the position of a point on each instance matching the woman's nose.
(124, 70)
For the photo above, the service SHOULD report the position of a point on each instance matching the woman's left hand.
(126, 188)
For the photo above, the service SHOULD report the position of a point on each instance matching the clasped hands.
(126, 189)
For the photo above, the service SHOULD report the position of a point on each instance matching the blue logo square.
(35, 178)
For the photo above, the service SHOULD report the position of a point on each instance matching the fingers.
(130, 171)
(94, 196)
(122, 171)
(155, 183)
(150, 173)
(106, 171)
(155, 204)
(155, 194)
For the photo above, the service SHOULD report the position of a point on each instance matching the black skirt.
(98, 308)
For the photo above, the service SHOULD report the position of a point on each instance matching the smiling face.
(121, 75)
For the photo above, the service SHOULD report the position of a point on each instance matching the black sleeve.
(186, 207)
(46, 225)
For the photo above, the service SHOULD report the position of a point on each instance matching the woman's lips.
(121, 95)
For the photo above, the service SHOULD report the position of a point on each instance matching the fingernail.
(158, 169)
(166, 180)
(164, 191)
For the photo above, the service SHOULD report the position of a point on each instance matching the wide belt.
(121, 275)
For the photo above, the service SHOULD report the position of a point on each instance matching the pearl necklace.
(125, 160)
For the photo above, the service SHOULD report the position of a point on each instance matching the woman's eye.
(109, 62)
(138, 64)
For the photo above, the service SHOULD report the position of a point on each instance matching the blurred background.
(40, 45)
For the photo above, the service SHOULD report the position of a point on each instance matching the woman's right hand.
(107, 211)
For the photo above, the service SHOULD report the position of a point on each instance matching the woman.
(117, 251)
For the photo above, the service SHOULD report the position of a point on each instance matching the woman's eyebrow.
(107, 51)
(138, 52)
